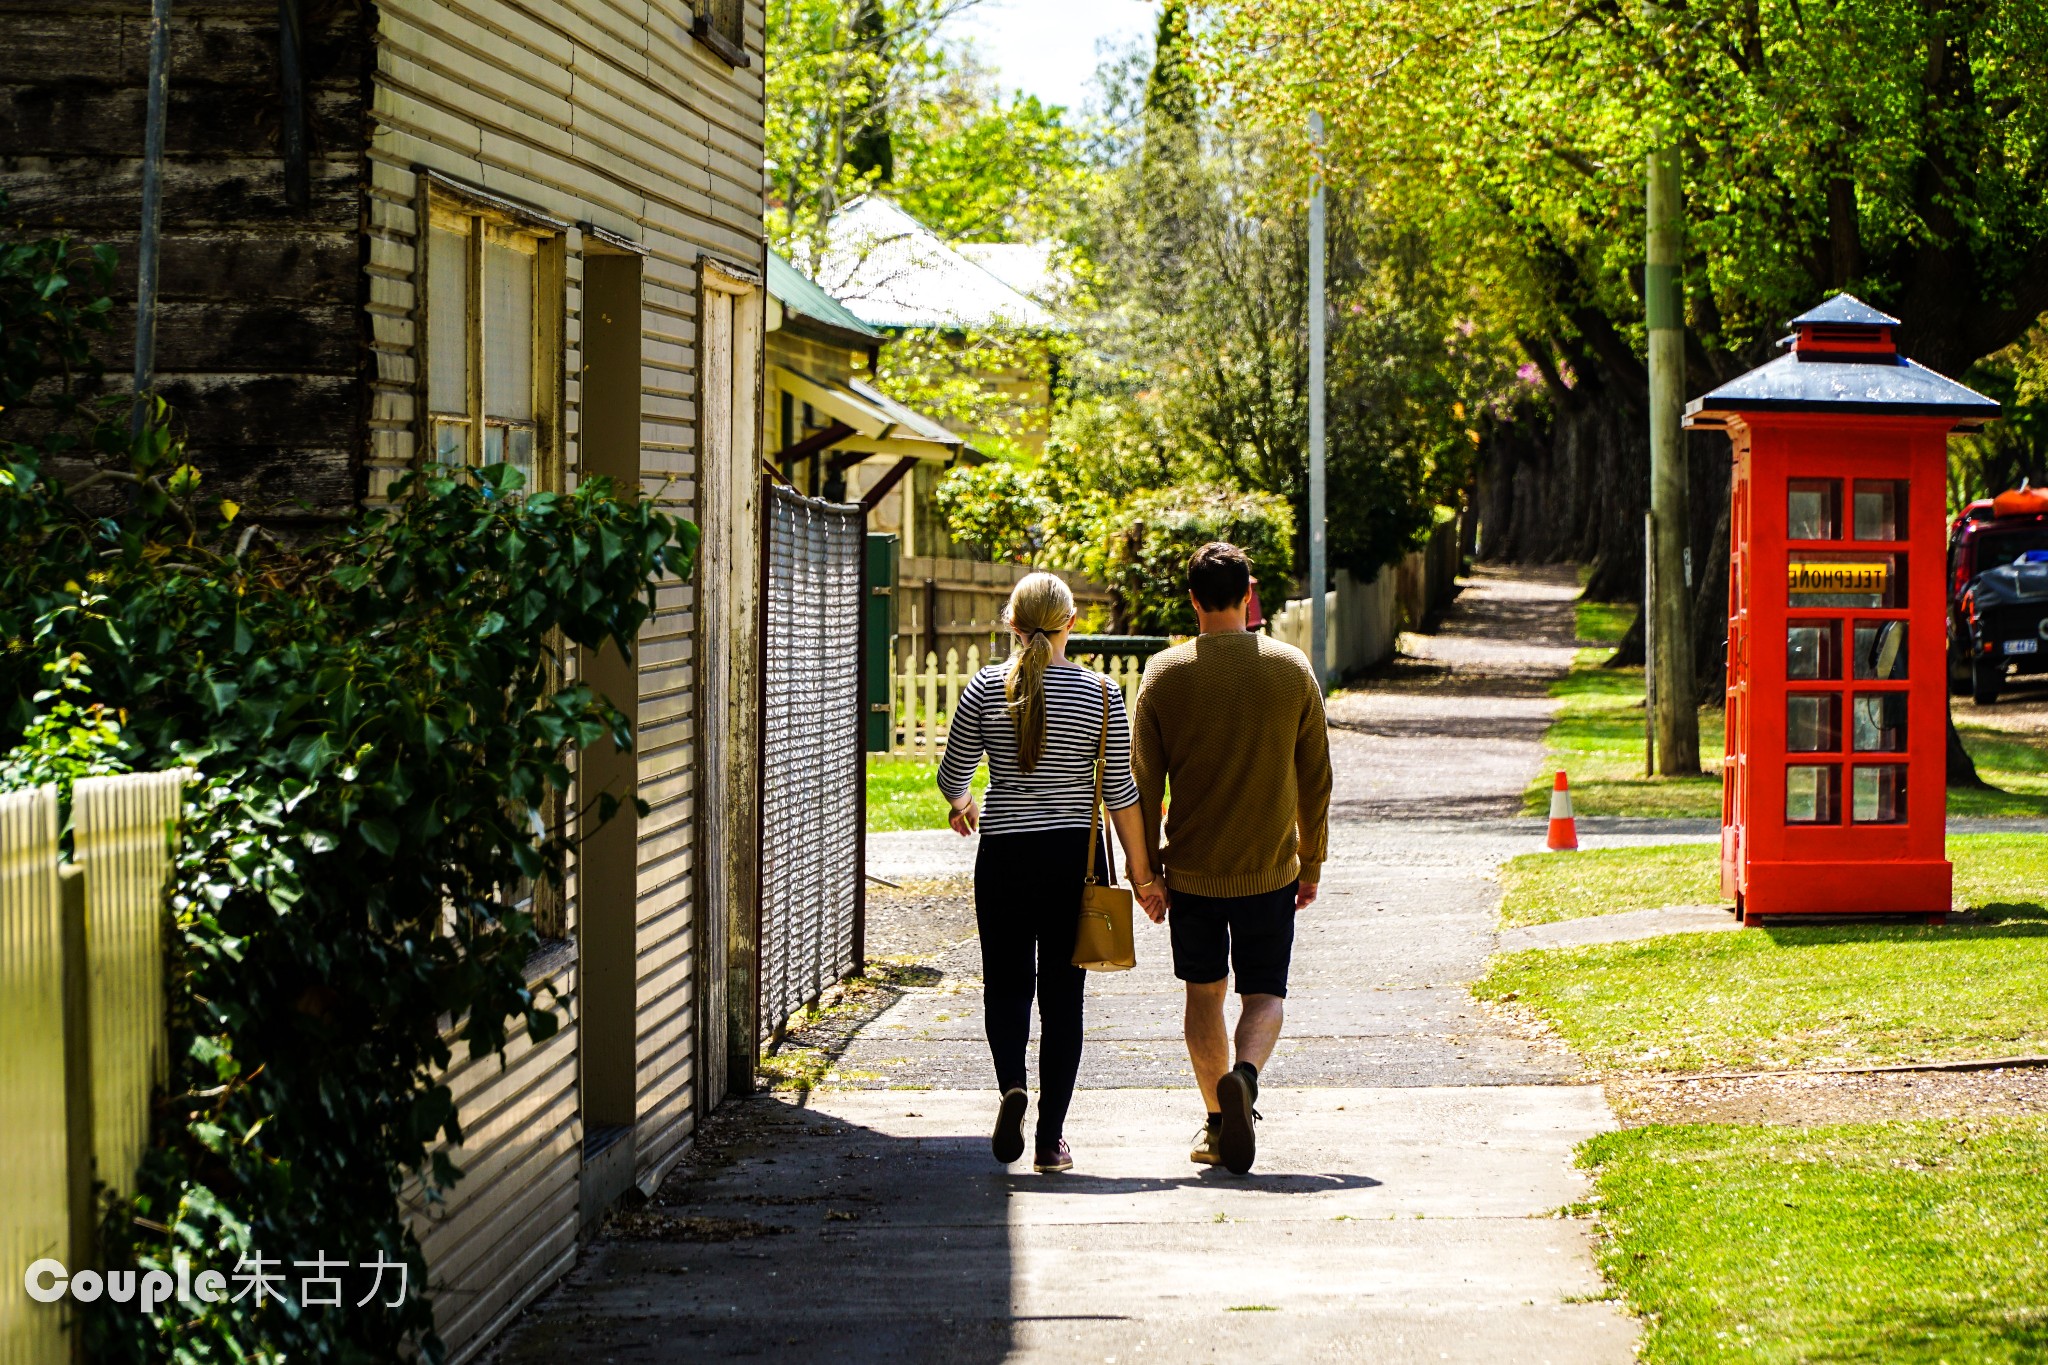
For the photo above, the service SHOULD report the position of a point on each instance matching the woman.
(1039, 720)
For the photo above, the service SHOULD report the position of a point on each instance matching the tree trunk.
(1962, 769)
(1628, 651)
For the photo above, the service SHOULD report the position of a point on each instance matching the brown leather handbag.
(1104, 942)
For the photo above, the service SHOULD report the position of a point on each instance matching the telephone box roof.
(1897, 387)
(1843, 360)
(1846, 309)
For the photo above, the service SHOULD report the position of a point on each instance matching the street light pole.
(1318, 548)
(152, 206)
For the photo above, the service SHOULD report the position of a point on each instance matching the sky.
(1048, 48)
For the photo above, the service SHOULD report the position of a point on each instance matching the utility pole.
(1318, 546)
(152, 208)
(1677, 714)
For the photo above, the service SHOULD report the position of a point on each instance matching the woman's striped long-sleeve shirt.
(1059, 793)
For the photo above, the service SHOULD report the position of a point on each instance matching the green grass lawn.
(1542, 888)
(1767, 999)
(1603, 623)
(1597, 738)
(2016, 764)
(1916, 1242)
(903, 793)
(1995, 873)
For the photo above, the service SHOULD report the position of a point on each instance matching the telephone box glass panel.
(1880, 723)
(1812, 651)
(1881, 650)
(1845, 580)
(1813, 509)
(1879, 509)
(1813, 794)
(1813, 724)
(1878, 795)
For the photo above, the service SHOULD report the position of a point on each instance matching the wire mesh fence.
(813, 765)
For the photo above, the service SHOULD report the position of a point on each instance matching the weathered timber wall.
(260, 334)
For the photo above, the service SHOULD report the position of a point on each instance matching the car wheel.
(1987, 676)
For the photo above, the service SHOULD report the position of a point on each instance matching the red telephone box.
(1834, 790)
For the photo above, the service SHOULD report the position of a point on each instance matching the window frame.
(721, 25)
(450, 204)
(485, 220)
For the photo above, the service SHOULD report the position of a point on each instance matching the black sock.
(1215, 1120)
(1251, 1076)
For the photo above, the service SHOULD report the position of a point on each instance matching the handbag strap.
(1095, 811)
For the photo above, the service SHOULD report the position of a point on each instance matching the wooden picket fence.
(922, 701)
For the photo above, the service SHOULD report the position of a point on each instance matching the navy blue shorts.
(1253, 935)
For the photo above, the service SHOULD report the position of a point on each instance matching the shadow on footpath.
(791, 1235)
(1212, 1178)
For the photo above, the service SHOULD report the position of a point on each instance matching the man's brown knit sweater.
(1235, 722)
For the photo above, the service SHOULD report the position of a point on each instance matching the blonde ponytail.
(1041, 606)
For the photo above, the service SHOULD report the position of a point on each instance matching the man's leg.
(1201, 959)
(1262, 946)
(1208, 1037)
(1258, 1027)
(1261, 951)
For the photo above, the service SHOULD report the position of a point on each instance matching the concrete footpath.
(1414, 1149)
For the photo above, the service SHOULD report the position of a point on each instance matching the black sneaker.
(1008, 1140)
(1054, 1159)
(1239, 1142)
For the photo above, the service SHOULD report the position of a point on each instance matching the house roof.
(801, 297)
(1026, 267)
(879, 424)
(893, 272)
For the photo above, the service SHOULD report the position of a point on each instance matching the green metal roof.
(799, 295)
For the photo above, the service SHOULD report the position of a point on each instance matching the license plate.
(2022, 646)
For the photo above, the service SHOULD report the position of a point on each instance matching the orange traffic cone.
(1564, 829)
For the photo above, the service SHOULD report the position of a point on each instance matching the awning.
(881, 425)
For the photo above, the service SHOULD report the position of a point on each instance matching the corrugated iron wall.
(34, 1213)
(81, 977)
(813, 764)
(121, 830)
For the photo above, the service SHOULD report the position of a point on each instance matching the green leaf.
(379, 834)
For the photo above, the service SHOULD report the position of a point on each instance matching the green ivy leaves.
(381, 729)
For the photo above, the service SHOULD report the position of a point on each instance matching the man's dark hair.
(1219, 575)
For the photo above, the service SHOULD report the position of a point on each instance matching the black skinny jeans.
(1027, 904)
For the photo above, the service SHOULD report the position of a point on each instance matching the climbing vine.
(378, 731)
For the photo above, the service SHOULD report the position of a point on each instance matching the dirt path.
(1413, 1148)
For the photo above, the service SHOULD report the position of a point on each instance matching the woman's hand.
(966, 818)
(1150, 889)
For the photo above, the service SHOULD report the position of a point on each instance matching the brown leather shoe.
(1054, 1159)
(1237, 1142)
(1007, 1142)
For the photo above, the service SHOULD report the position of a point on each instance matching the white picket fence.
(922, 701)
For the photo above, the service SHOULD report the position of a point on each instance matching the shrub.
(379, 727)
(1162, 529)
(997, 506)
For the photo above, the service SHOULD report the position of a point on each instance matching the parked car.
(1998, 592)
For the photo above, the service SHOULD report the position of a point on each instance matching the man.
(1234, 721)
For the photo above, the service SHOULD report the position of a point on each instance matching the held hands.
(966, 818)
(1150, 889)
